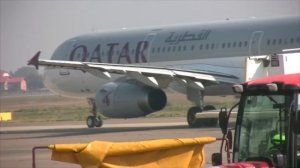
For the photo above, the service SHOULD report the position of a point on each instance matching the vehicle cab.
(267, 130)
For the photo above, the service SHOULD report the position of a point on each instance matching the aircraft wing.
(153, 76)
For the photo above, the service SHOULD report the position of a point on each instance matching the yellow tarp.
(5, 116)
(164, 153)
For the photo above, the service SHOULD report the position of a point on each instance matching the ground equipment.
(267, 131)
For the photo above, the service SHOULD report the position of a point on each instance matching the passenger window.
(179, 48)
(292, 40)
(174, 48)
(163, 49)
(201, 46)
(212, 46)
(207, 46)
(234, 44)
(192, 47)
(169, 49)
(245, 43)
(184, 48)
(269, 42)
(274, 42)
(279, 41)
(158, 49)
(153, 50)
(228, 45)
(223, 45)
(240, 44)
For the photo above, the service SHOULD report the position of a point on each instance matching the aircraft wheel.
(197, 123)
(209, 107)
(90, 121)
(191, 118)
(209, 122)
(98, 121)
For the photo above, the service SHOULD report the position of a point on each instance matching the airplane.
(123, 73)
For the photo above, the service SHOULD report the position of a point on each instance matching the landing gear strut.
(94, 120)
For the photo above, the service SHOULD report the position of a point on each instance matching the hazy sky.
(27, 26)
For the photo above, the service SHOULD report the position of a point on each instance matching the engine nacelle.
(128, 100)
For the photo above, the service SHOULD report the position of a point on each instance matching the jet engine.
(129, 100)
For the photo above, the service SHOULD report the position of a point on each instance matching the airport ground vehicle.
(267, 131)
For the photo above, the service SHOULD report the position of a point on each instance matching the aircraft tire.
(197, 123)
(191, 119)
(209, 122)
(90, 121)
(98, 121)
(209, 107)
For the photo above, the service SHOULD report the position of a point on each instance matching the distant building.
(8, 83)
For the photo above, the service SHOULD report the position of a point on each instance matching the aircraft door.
(255, 43)
(149, 38)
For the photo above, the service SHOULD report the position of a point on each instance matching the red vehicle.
(267, 131)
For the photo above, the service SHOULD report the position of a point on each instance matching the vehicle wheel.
(90, 121)
(191, 118)
(98, 121)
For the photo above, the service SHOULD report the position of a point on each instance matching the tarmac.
(18, 139)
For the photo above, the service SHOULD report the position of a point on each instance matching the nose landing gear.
(94, 120)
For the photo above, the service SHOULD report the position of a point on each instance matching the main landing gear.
(94, 120)
(203, 122)
(196, 96)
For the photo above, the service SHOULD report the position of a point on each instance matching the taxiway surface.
(17, 141)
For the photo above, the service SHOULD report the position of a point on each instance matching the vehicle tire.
(191, 119)
(90, 121)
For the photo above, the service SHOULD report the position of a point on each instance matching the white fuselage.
(208, 47)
